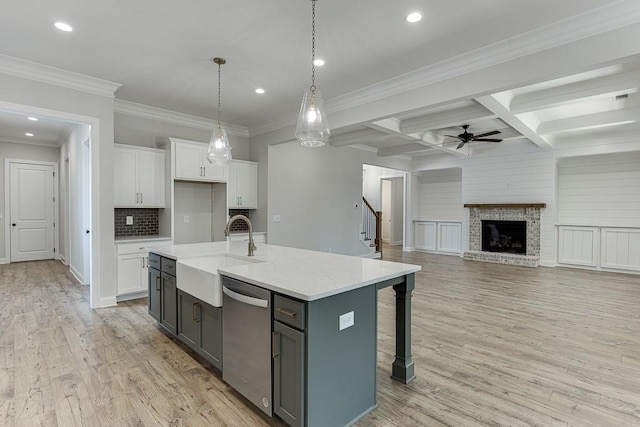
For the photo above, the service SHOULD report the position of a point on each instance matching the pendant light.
(312, 129)
(219, 151)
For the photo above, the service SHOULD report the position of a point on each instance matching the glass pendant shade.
(219, 151)
(312, 129)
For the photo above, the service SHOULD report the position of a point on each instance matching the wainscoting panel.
(621, 248)
(578, 245)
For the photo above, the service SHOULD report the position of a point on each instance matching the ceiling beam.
(492, 103)
(590, 121)
(590, 89)
(358, 137)
(456, 117)
(413, 147)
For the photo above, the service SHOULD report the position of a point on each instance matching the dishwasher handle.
(258, 302)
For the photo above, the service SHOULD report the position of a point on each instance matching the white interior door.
(86, 209)
(32, 211)
(386, 210)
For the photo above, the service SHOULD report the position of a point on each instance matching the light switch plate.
(347, 320)
(129, 220)
(276, 218)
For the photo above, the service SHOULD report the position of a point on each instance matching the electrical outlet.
(347, 320)
(186, 218)
(129, 220)
(276, 218)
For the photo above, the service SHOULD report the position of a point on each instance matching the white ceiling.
(160, 52)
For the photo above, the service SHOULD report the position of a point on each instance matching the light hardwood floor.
(492, 344)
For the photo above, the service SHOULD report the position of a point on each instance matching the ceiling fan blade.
(460, 145)
(482, 135)
(451, 136)
(487, 139)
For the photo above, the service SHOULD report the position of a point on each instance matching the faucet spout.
(252, 246)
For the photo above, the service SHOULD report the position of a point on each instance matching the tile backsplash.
(239, 225)
(145, 222)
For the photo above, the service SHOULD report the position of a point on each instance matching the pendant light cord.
(313, 46)
(219, 67)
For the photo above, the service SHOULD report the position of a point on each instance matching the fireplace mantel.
(504, 205)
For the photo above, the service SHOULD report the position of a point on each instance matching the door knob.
(87, 231)
(13, 225)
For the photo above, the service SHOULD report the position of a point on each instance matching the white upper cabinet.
(139, 177)
(192, 163)
(242, 186)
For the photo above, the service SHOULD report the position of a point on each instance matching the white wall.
(315, 191)
(441, 195)
(600, 190)
(19, 94)
(194, 200)
(10, 150)
(75, 199)
(147, 132)
(371, 182)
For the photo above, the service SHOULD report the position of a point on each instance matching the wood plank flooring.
(493, 345)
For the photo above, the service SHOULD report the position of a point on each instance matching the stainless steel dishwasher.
(246, 341)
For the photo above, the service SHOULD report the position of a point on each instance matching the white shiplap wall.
(600, 190)
(441, 195)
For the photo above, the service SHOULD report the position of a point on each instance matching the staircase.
(371, 234)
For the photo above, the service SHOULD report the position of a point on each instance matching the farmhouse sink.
(199, 276)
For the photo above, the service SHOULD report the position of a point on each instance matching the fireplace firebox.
(504, 236)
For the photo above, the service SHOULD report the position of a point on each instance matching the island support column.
(402, 368)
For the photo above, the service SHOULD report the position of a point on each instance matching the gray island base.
(323, 343)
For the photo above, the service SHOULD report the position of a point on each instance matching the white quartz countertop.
(299, 273)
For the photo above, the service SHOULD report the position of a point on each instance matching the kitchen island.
(320, 335)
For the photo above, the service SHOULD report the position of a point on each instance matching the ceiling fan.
(466, 136)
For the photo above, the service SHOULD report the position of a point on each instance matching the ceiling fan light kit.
(466, 137)
(312, 129)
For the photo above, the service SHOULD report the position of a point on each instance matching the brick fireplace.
(505, 214)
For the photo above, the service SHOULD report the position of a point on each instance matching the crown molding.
(22, 68)
(587, 24)
(160, 114)
(23, 142)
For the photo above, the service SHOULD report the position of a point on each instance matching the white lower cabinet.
(599, 247)
(132, 263)
(438, 236)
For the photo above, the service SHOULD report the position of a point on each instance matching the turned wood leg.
(402, 368)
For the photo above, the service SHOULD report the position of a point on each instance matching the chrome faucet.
(252, 246)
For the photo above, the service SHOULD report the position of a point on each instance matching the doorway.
(392, 203)
(32, 194)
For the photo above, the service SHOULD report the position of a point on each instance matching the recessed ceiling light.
(318, 62)
(33, 119)
(63, 26)
(28, 134)
(260, 91)
(414, 17)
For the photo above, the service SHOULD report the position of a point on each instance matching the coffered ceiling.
(159, 52)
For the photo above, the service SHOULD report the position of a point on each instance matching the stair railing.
(372, 225)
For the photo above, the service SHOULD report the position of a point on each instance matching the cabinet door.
(151, 179)
(233, 197)
(125, 177)
(247, 185)
(449, 237)
(213, 172)
(154, 293)
(131, 273)
(288, 374)
(211, 339)
(168, 301)
(425, 235)
(188, 162)
(189, 315)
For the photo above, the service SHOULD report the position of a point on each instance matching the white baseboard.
(408, 249)
(548, 264)
(76, 274)
(397, 243)
(4, 261)
(62, 259)
(107, 302)
(135, 295)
